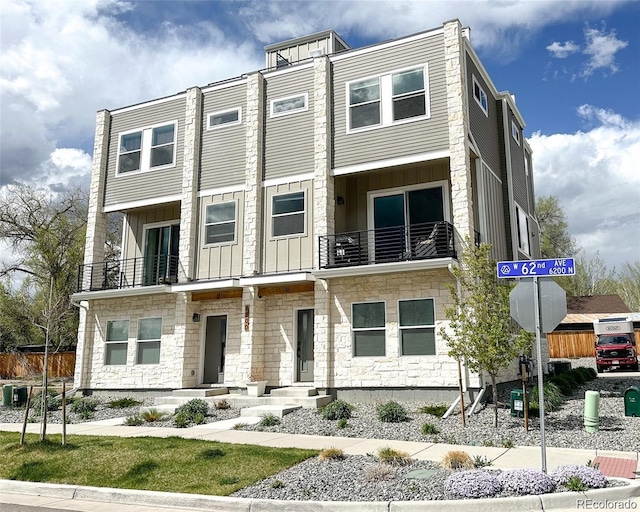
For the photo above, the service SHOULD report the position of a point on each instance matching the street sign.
(536, 268)
(552, 302)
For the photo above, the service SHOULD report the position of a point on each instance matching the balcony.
(413, 242)
(130, 273)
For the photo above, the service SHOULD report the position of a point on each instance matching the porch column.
(457, 112)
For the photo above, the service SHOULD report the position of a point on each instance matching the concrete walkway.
(70, 497)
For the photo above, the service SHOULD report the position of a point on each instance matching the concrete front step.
(179, 400)
(200, 392)
(266, 410)
(307, 402)
(294, 391)
(163, 408)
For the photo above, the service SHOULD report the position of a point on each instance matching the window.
(149, 334)
(416, 321)
(146, 149)
(387, 99)
(220, 223)
(224, 118)
(523, 230)
(116, 342)
(287, 212)
(515, 132)
(368, 325)
(289, 105)
(480, 96)
(526, 164)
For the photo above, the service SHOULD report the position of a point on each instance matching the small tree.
(483, 334)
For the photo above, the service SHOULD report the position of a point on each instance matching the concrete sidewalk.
(70, 497)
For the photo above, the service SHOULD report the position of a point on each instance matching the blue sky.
(572, 65)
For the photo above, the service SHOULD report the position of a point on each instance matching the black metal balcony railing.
(130, 273)
(403, 243)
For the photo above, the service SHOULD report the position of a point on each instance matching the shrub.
(577, 376)
(473, 483)
(592, 374)
(342, 423)
(584, 373)
(565, 386)
(198, 419)
(481, 461)
(152, 415)
(53, 402)
(393, 457)
(222, 405)
(376, 472)
(455, 460)
(507, 442)
(83, 406)
(588, 476)
(180, 420)
(331, 454)
(269, 420)
(392, 412)
(277, 484)
(553, 397)
(239, 426)
(337, 410)
(133, 421)
(122, 403)
(192, 408)
(526, 481)
(428, 429)
(434, 410)
(84, 415)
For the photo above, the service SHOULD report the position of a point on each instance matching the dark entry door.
(304, 337)
(214, 349)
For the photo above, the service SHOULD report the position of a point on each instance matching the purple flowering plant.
(590, 477)
(473, 483)
(526, 481)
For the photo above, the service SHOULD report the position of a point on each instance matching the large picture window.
(368, 326)
(220, 223)
(149, 335)
(116, 342)
(287, 212)
(148, 148)
(416, 322)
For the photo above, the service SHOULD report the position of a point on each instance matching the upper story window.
(526, 163)
(220, 223)
(480, 96)
(147, 149)
(515, 132)
(287, 212)
(387, 99)
(224, 118)
(289, 105)
(523, 230)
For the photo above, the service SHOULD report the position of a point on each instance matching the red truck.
(615, 344)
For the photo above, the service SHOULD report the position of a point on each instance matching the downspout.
(74, 390)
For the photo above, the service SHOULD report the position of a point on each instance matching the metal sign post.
(543, 445)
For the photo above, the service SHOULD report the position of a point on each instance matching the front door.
(214, 349)
(161, 255)
(304, 337)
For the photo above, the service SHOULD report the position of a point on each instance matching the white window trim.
(138, 341)
(205, 224)
(519, 210)
(225, 125)
(515, 132)
(362, 329)
(401, 328)
(305, 95)
(108, 342)
(482, 92)
(153, 225)
(386, 100)
(304, 212)
(145, 149)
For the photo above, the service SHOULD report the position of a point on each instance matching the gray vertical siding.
(223, 149)
(494, 214)
(288, 139)
(153, 183)
(504, 175)
(517, 166)
(483, 127)
(392, 141)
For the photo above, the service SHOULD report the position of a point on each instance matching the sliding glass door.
(161, 255)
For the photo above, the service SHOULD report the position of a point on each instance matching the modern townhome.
(302, 220)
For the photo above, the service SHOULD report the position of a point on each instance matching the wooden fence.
(27, 365)
(572, 344)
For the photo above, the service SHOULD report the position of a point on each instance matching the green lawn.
(172, 464)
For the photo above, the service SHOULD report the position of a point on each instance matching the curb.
(559, 501)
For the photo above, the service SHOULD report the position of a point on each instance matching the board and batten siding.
(223, 154)
(150, 184)
(294, 252)
(520, 184)
(220, 261)
(483, 127)
(136, 220)
(353, 214)
(288, 139)
(494, 214)
(399, 140)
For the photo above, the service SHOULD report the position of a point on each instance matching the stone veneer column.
(190, 167)
(459, 161)
(323, 214)
(252, 334)
(94, 243)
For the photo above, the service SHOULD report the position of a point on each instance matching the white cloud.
(602, 48)
(594, 175)
(561, 51)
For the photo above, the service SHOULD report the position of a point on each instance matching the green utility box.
(19, 396)
(517, 403)
(7, 395)
(632, 401)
